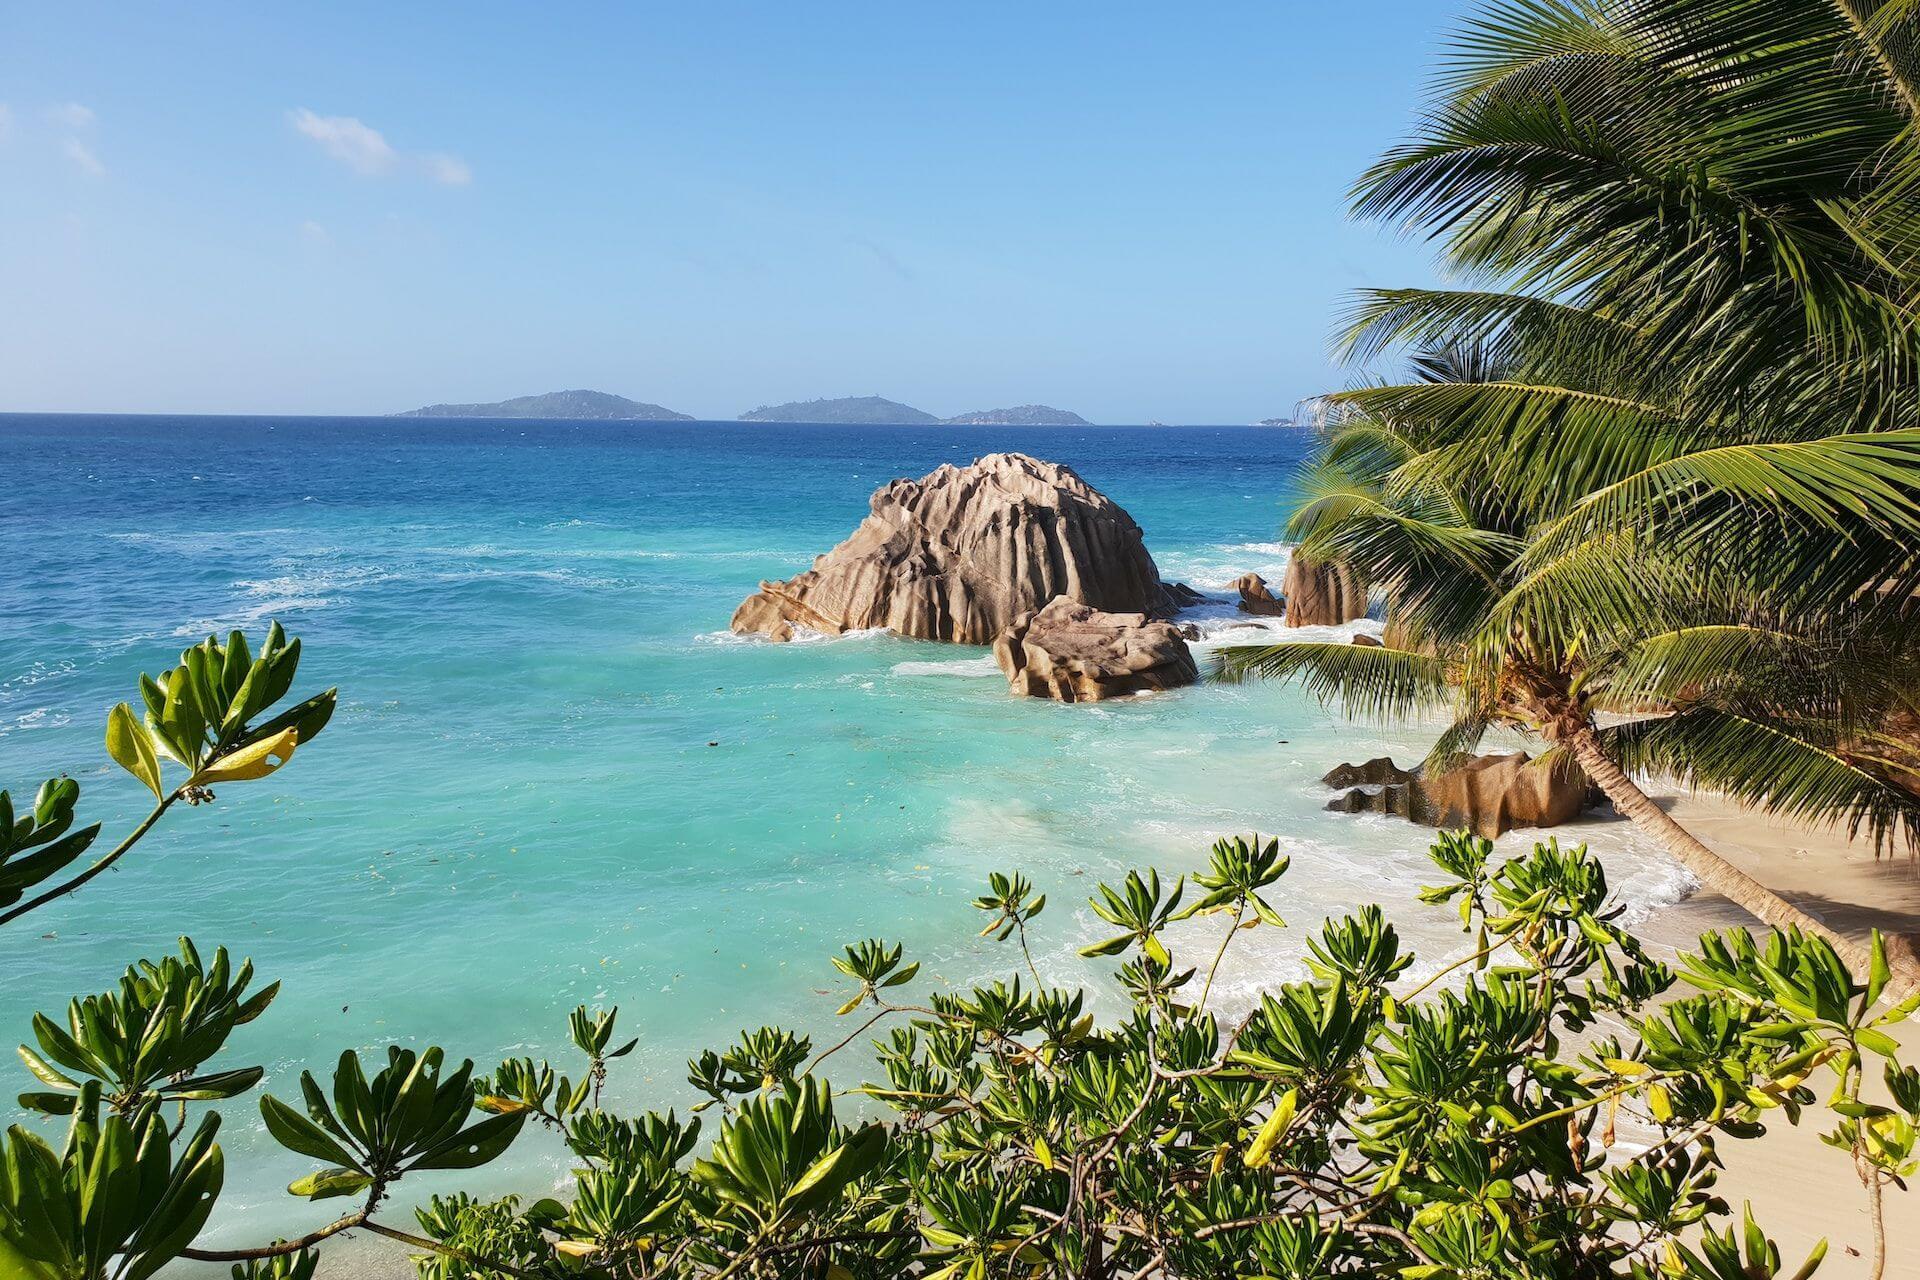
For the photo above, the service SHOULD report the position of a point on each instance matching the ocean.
(555, 778)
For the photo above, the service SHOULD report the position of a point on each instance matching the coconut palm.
(1617, 627)
(1661, 460)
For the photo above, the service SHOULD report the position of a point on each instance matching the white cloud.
(350, 141)
(83, 158)
(70, 115)
(450, 171)
(365, 150)
(315, 234)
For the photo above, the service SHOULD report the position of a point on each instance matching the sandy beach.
(1801, 1189)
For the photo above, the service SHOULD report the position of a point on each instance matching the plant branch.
(62, 890)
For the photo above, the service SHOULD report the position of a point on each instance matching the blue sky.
(1135, 211)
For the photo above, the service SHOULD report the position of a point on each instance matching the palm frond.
(1781, 767)
(1866, 481)
(1689, 662)
(1368, 681)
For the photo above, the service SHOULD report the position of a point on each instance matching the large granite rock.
(1076, 653)
(959, 554)
(1488, 795)
(1322, 593)
(1255, 598)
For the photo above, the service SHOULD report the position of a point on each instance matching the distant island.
(876, 410)
(555, 404)
(852, 409)
(1025, 415)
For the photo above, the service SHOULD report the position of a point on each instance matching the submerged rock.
(1322, 593)
(1255, 598)
(1488, 795)
(960, 553)
(1076, 653)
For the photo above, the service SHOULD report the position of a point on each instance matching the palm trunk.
(1714, 871)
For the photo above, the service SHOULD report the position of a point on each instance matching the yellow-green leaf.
(1043, 1153)
(255, 760)
(1260, 1151)
(132, 749)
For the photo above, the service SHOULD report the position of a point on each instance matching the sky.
(1135, 211)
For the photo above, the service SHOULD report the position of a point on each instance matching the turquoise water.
(555, 779)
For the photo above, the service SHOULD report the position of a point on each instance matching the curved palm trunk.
(1715, 872)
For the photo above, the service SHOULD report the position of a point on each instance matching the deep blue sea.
(556, 779)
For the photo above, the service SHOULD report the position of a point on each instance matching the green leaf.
(474, 1145)
(833, 1171)
(132, 749)
(296, 1132)
(43, 1071)
(326, 1184)
(1878, 973)
(1877, 1042)
(215, 1086)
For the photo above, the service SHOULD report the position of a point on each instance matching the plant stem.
(828, 1053)
(1207, 989)
(60, 891)
(1021, 926)
(281, 1248)
(447, 1250)
(1481, 954)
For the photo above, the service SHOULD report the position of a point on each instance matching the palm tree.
(1663, 460)
(1616, 630)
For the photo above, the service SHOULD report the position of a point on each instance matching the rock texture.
(1322, 593)
(959, 554)
(1488, 795)
(1255, 598)
(1076, 653)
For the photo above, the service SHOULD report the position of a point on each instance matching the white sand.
(1802, 1189)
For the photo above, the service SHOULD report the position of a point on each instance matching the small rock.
(1077, 653)
(1255, 598)
(1488, 795)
